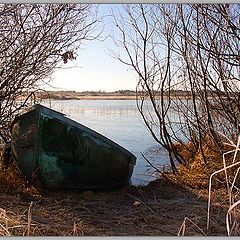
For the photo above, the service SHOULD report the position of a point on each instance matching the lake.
(120, 121)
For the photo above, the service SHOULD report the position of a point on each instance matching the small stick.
(152, 164)
(183, 227)
(5, 230)
(29, 218)
(75, 233)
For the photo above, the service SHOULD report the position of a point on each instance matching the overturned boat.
(55, 152)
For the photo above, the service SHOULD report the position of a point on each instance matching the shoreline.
(119, 95)
(96, 98)
(157, 209)
(100, 97)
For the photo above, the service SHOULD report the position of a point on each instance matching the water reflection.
(120, 121)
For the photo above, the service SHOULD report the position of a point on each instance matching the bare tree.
(35, 40)
(209, 49)
(189, 47)
(147, 40)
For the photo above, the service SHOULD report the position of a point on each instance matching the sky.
(94, 69)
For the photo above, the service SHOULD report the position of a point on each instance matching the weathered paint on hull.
(56, 152)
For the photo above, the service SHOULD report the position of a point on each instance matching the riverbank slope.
(158, 209)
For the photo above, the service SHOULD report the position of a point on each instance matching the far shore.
(117, 95)
(109, 97)
(89, 97)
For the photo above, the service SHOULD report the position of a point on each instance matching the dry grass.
(196, 173)
(166, 207)
(220, 174)
(231, 172)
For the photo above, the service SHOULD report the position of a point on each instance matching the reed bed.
(221, 176)
(231, 172)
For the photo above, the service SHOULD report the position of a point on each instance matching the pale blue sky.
(96, 70)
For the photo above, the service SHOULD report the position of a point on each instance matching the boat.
(56, 152)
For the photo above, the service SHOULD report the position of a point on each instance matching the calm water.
(120, 121)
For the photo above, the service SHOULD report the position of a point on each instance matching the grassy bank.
(169, 206)
(156, 210)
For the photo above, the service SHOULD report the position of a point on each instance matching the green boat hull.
(55, 152)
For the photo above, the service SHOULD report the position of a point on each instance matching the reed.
(230, 170)
(182, 229)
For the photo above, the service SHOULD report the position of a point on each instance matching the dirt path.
(155, 210)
